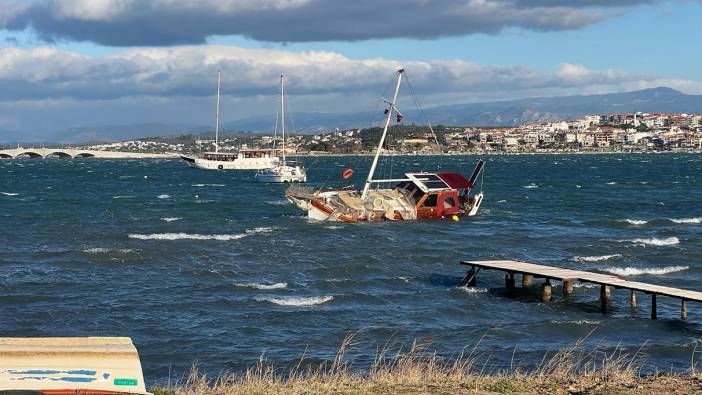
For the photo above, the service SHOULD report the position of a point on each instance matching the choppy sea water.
(209, 266)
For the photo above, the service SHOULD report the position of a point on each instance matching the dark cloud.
(167, 22)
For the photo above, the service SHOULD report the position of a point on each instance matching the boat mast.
(282, 113)
(369, 180)
(219, 82)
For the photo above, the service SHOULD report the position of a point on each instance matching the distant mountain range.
(500, 113)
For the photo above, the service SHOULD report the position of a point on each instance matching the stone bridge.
(75, 153)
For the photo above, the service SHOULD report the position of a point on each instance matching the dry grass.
(417, 371)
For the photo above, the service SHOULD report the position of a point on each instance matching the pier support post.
(546, 291)
(604, 298)
(683, 309)
(470, 279)
(527, 279)
(567, 287)
(654, 313)
(633, 300)
(509, 282)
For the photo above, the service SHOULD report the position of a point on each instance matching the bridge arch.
(30, 154)
(85, 155)
(5, 156)
(59, 154)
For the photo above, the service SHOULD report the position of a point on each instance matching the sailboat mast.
(219, 83)
(282, 112)
(369, 180)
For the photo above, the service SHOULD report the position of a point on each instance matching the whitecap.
(122, 197)
(576, 322)
(164, 196)
(578, 186)
(530, 186)
(635, 221)
(473, 290)
(279, 202)
(596, 258)
(633, 271)
(585, 285)
(9, 193)
(186, 236)
(102, 250)
(334, 227)
(686, 220)
(502, 201)
(196, 236)
(208, 185)
(668, 241)
(612, 183)
(297, 301)
(263, 286)
(171, 219)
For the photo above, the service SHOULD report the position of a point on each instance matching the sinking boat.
(285, 171)
(244, 159)
(418, 195)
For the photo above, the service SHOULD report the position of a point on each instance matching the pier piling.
(546, 291)
(567, 287)
(527, 279)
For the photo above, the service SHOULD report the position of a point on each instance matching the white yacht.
(244, 159)
(285, 171)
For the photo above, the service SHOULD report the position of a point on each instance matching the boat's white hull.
(237, 164)
(282, 174)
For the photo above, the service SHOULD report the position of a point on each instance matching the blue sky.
(132, 61)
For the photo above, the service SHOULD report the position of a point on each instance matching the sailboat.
(285, 172)
(418, 195)
(244, 159)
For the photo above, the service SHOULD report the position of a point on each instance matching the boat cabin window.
(417, 195)
(449, 202)
(430, 201)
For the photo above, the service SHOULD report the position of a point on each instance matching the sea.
(213, 269)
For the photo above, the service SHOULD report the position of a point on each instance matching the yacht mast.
(369, 180)
(219, 82)
(282, 112)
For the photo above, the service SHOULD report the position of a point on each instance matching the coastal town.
(623, 132)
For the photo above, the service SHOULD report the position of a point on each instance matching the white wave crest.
(473, 290)
(195, 236)
(596, 258)
(668, 241)
(9, 193)
(577, 322)
(208, 185)
(635, 221)
(185, 236)
(263, 286)
(164, 196)
(171, 219)
(612, 183)
(585, 285)
(297, 301)
(280, 202)
(633, 271)
(530, 186)
(122, 197)
(697, 220)
(102, 250)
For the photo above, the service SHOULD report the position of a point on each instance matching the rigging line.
(421, 110)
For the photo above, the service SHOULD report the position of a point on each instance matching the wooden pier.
(529, 271)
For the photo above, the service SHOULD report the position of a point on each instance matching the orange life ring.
(347, 173)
